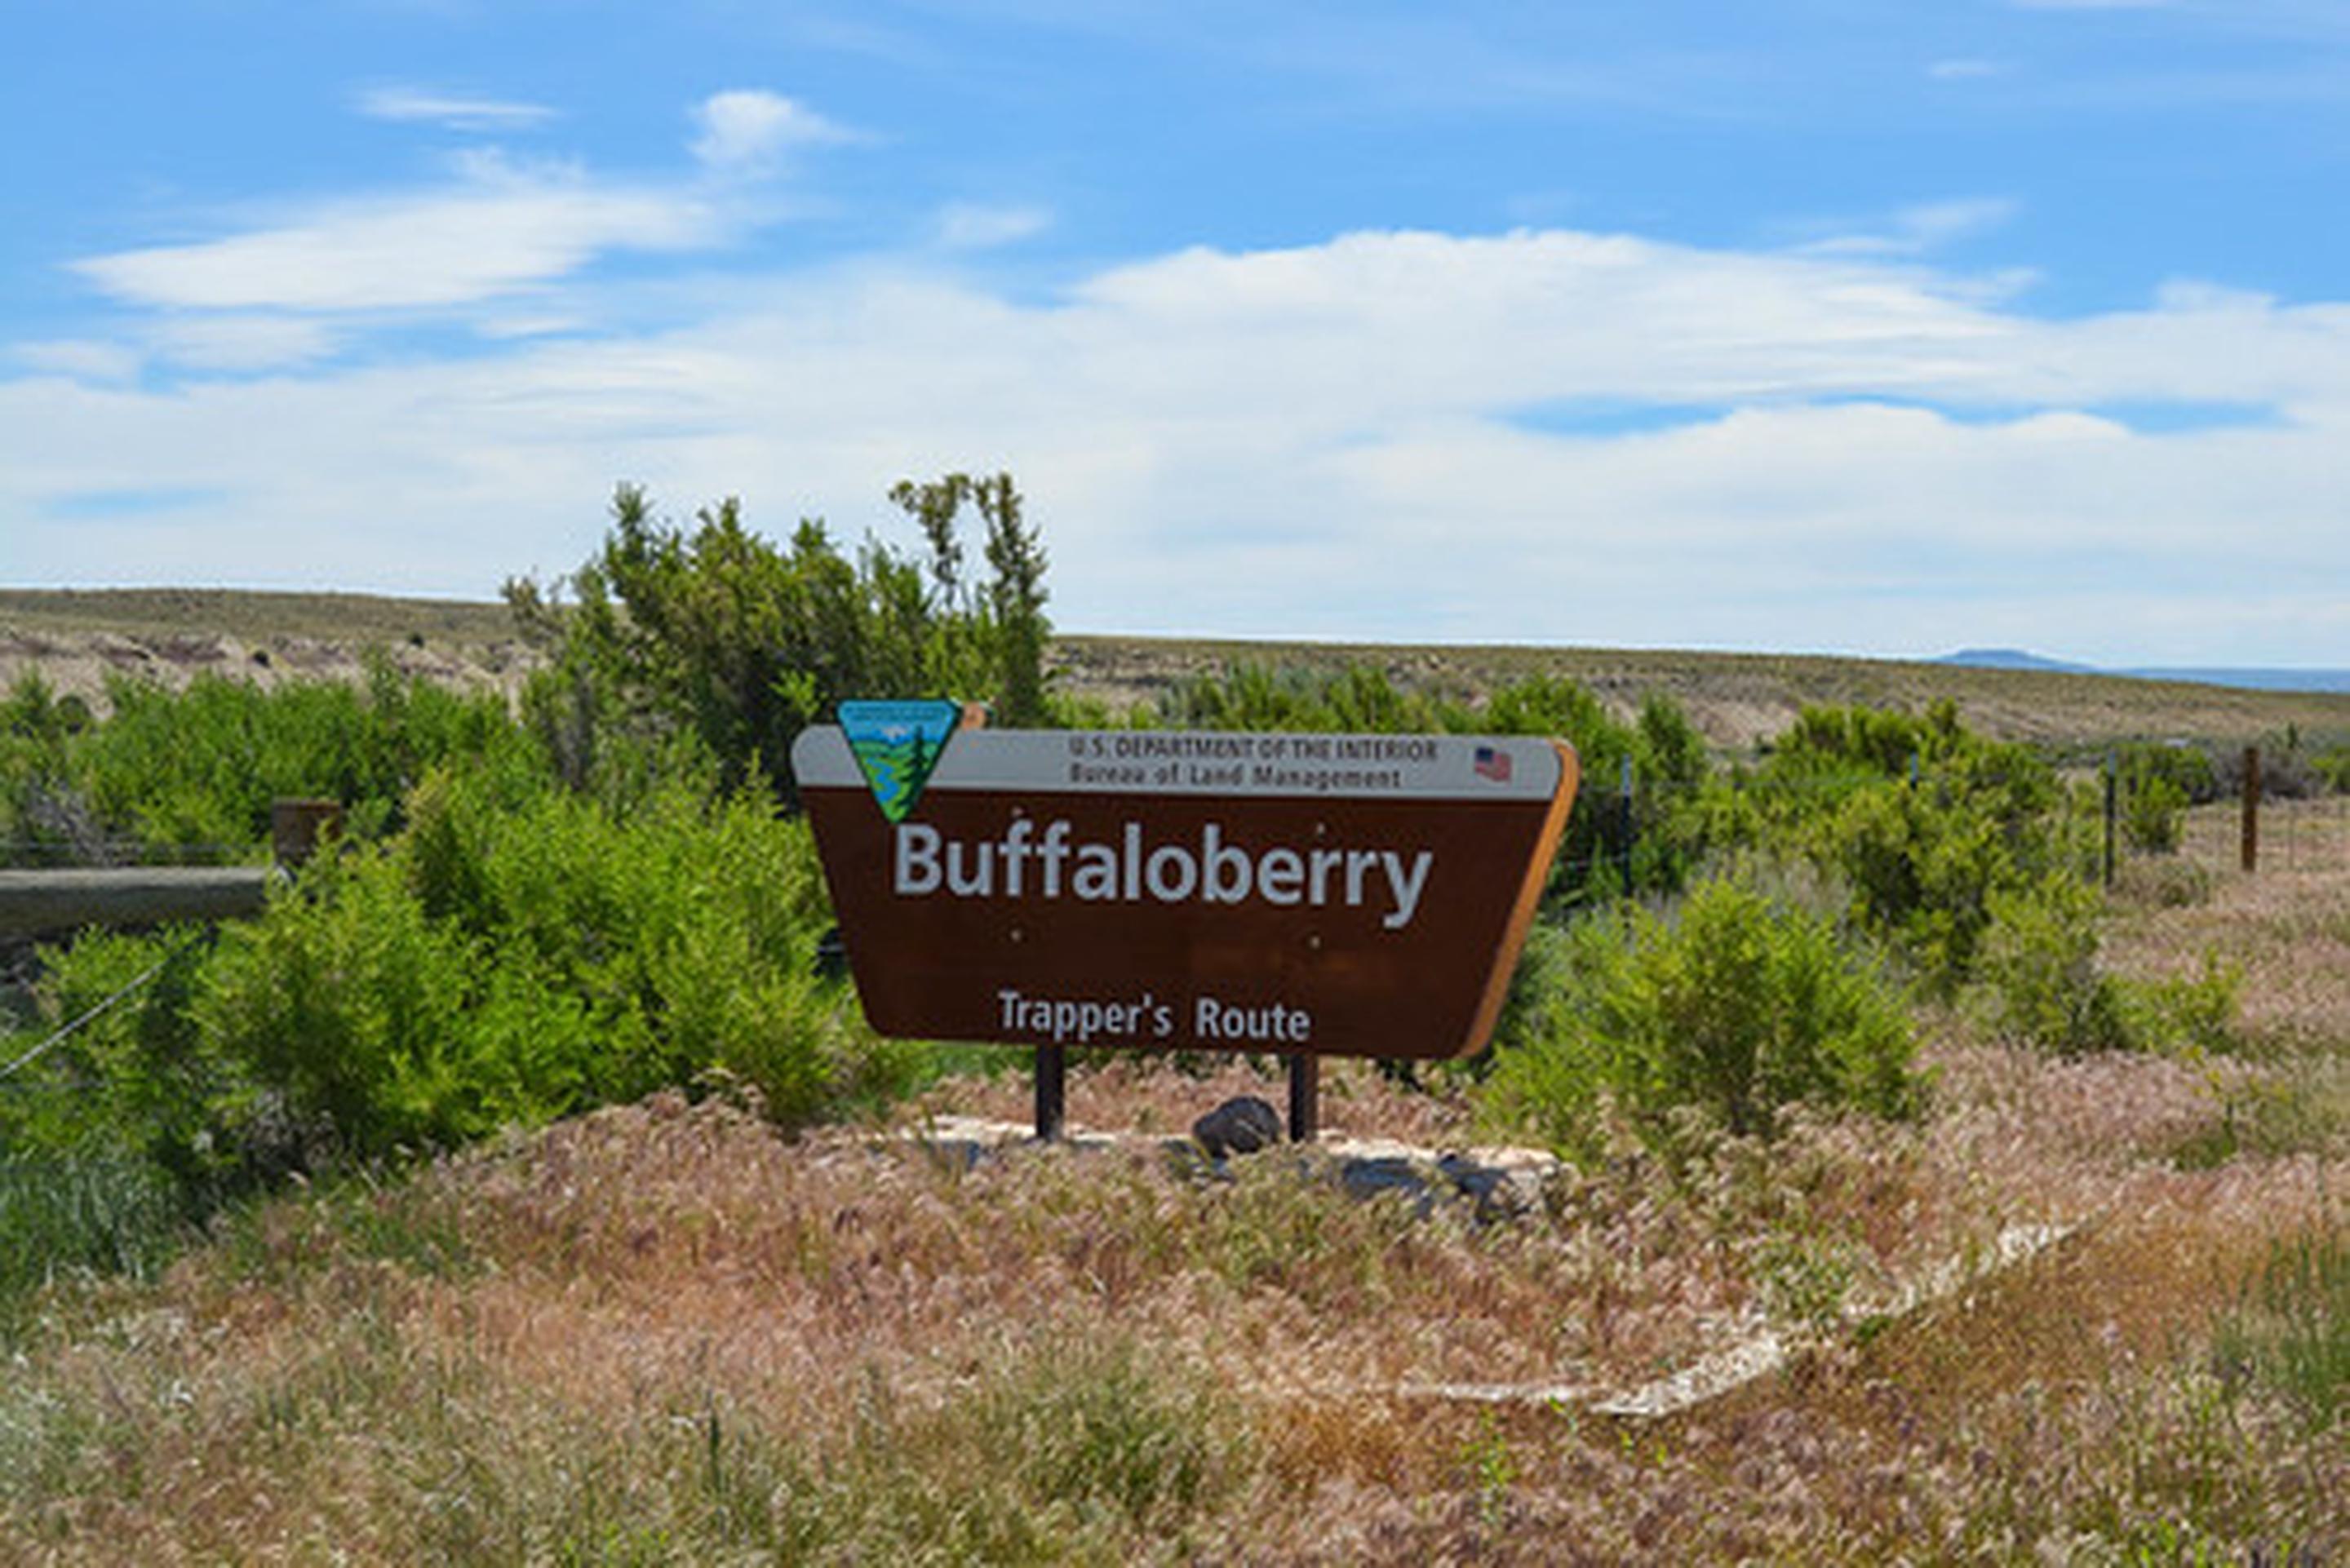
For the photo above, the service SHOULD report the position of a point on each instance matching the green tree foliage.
(717, 634)
(2040, 970)
(501, 961)
(1921, 819)
(197, 770)
(1006, 617)
(2156, 785)
(1729, 1009)
(39, 811)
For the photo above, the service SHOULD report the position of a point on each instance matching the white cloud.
(457, 111)
(1925, 226)
(1330, 439)
(500, 230)
(970, 225)
(82, 359)
(235, 343)
(746, 129)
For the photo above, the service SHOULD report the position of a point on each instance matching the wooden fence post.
(2252, 834)
(2113, 812)
(296, 826)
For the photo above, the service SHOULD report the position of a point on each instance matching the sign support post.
(1051, 1092)
(1305, 1097)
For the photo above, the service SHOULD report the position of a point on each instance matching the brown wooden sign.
(1347, 895)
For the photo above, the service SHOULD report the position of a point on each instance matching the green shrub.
(197, 770)
(2332, 767)
(2152, 812)
(2155, 785)
(2187, 768)
(2040, 969)
(2187, 1014)
(503, 963)
(347, 999)
(2041, 979)
(1923, 821)
(38, 812)
(134, 1081)
(1733, 1009)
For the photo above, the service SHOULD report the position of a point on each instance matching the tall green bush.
(1922, 820)
(1728, 1010)
(197, 770)
(495, 966)
(716, 633)
(2040, 969)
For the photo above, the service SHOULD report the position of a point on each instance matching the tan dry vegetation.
(1739, 700)
(1736, 700)
(77, 639)
(663, 1333)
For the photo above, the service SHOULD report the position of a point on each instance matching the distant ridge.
(2238, 679)
(2011, 659)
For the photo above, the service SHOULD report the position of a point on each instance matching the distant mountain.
(2244, 679)
(2011, 659)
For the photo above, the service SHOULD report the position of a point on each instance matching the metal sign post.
(1304, 1098)
(1051, 1092)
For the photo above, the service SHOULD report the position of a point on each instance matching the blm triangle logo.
(897, 744)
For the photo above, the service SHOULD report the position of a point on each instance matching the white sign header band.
(1214, 763)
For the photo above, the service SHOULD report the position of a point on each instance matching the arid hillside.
(77, 637)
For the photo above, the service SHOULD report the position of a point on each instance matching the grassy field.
(1735, 698)
(662, 1332)
(2083, 1309)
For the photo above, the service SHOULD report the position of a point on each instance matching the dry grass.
(1736, 700)
(1739, 699)
(664, 1333)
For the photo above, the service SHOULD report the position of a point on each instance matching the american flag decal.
(1492, 762)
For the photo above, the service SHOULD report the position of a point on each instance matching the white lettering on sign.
(1025, 862)
(1105, 1020)
(1275, 1025)
(1084, 1020)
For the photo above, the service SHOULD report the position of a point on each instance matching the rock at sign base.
(1241, 1126)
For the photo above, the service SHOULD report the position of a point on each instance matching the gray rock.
(1497, 1192)
(1380, 1176)
(1241, 1126)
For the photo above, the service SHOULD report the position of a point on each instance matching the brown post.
(296, 826)
(2113, 814)
(2252, 838)
(1305, 1097)
(1052, 1092)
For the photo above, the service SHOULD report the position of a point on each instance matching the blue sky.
(1797, 323)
